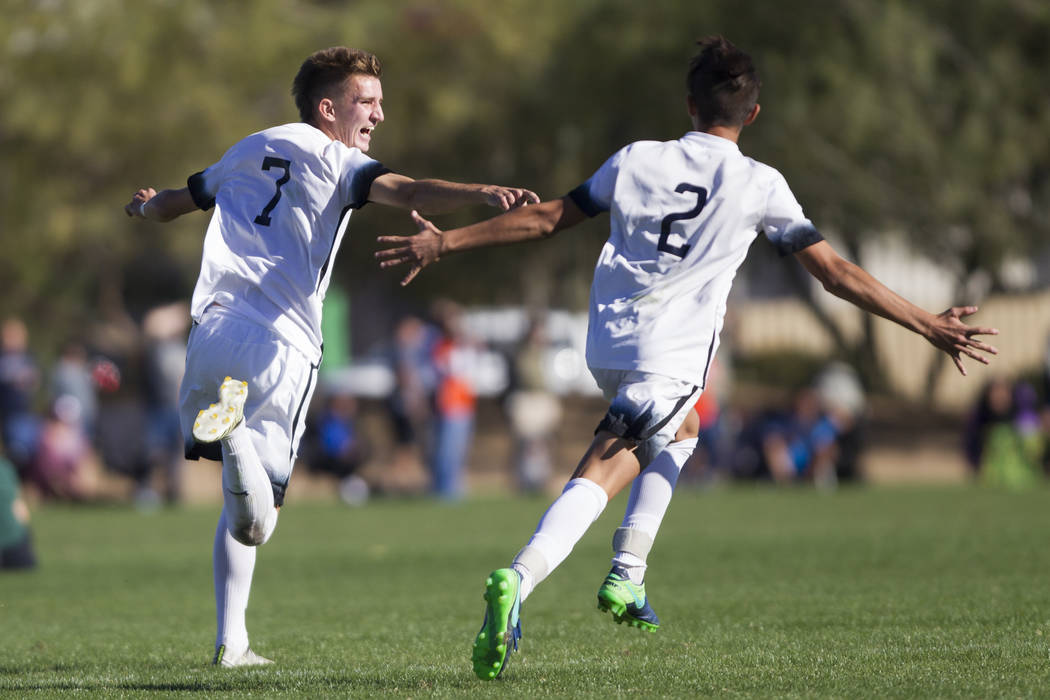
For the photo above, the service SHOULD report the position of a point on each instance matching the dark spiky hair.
(723, 83)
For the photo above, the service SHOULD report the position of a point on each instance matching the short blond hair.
(325, 71)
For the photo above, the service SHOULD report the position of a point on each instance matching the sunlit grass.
(908, 593)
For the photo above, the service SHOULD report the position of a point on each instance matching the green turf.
(762, 593)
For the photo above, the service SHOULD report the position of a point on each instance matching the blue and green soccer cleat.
(501, 628)
(626, 601)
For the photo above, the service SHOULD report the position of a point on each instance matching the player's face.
(360, 109)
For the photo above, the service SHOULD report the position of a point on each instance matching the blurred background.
(913, 133)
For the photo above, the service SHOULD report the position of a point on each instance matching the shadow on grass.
(306, 683)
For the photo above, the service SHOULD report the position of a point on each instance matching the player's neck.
(730, 133)
(324, 129)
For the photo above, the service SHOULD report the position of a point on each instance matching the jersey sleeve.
(595, 195)
(784, 224)
(204, 186)
(358, 172)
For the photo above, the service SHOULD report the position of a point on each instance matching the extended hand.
(134, 207)
(507, 198)
(419, 250)
(954, 337)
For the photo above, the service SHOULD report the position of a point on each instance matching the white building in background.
(499, 329)
(765, 316)
(774, 319)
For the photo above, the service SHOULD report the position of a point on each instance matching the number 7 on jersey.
(263, 219)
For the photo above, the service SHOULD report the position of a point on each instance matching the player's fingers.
(976, 356)
(985, 347)
(981, 331)
(397, 258)
(531, 197)
(388, 253)
(959, 365)
(960, 311)
(420, 221)
(411, 275)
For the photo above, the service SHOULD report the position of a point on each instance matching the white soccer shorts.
(646, 409)
(281, 381)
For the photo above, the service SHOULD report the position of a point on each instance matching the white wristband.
(142, 208)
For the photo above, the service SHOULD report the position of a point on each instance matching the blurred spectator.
(121, 435)
(19, 379)
(843, 401)
(411, 403)
(1003, 441)
(710, 458)
(16, 547)
(533, 410)
(164, 358)
(63, 457)
(798, 445)
(1046, 372)
(454, 357)
(72, 377)
(335, 446)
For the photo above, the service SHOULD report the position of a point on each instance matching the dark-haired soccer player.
(282, 201)
(682, 216)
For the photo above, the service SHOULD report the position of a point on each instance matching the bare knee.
(690, 427)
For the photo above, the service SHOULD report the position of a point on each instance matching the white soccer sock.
(650, 495)
(233, 564)
(246, 491)
(560, 528)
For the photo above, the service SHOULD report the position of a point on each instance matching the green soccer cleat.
(626, 601)
(215, 422)
(501, 628)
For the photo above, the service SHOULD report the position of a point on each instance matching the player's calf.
(246, 489)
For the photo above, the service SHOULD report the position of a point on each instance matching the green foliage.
(761, 593)
(928, 118)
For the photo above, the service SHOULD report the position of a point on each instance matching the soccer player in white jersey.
(282, 200)
(682, 216)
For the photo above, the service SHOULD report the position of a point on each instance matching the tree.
(927, 119)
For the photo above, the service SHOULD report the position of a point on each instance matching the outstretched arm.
(522, 224)
(440, 196)
(945, 331)
(160, 206)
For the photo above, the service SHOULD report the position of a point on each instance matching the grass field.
(871, 592)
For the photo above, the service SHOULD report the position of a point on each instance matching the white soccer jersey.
(682, 217)
(282, 200)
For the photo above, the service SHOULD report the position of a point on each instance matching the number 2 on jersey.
(665, 227)
(263, 219)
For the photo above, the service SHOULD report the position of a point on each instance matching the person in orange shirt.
(454, 357)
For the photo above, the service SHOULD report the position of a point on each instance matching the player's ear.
(690, 106)
(326, 109)
(753, 114)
